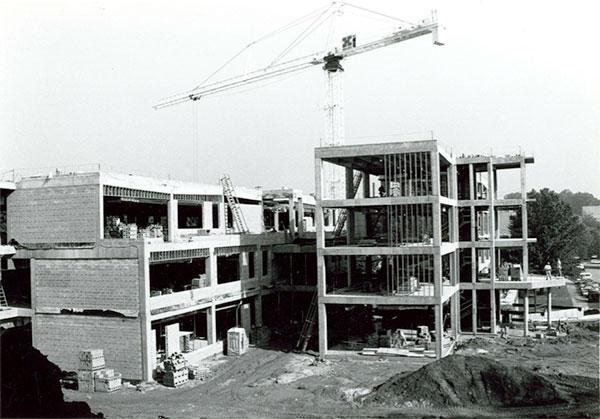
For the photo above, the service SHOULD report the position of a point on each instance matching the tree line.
(561, 229)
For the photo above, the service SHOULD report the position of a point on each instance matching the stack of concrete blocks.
(90, 361)
(197, 372)
(237, 341)
(107, 381)
(92, 374)
(176, 371)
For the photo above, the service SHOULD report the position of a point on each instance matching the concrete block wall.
(61, 337)
(88, 284)
(57, 214)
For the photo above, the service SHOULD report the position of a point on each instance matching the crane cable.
(310, 29)
(262, 38)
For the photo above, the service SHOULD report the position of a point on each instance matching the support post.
(474, 311)
(549, 310)
(172, 219)
(211, 324)
(453, 316)
(292, 215)
(258, 311)
(439, 330)
(300, 206)
(207, 219)
(524, 227)
(526, 313)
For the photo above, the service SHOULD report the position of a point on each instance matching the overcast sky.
(78, 80)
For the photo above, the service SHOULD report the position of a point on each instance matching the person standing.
(548, 270)
(559, 267)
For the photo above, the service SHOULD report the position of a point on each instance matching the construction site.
(399, 287)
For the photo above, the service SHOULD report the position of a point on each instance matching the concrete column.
(292, 215)
(322, 330)
(211, 324)
(101, 212)
(474, 309)
(243, 261)
(276, 220)
(146, 328)
(526, 313)
(492, 231)
(365, 185)
(439, 323)
(454, 311)
(471, 182)
(211, 268)
(493, 310)
(172, 219)
(258, 311)
(549, 310)
(524, 220)
(207, 219)
(222, 223)
(300, 206)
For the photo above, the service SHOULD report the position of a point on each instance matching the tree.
(577, 200)
(559, 233)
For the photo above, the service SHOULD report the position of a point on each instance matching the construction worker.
(548, 270)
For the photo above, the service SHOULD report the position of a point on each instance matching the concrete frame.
(343, 155)
(493, 164)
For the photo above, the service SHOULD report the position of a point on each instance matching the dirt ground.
(272, 383)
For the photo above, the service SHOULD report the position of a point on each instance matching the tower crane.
(331, 62)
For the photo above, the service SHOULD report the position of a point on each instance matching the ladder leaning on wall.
(234, 205)
(3, 301)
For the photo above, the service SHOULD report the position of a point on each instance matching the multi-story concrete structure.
(138, 265)
(421, 237)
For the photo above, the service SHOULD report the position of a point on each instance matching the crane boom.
(296, 65)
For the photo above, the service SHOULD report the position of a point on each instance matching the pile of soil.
(30, 384)
(466, 381)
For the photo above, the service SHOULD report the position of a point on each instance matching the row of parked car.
(587, 286)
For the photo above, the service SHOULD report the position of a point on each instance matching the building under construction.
(143, 267)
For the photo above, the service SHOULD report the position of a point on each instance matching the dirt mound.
(30, 384)
(463, 381)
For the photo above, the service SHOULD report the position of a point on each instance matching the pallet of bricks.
(176, 371)
(93, 375)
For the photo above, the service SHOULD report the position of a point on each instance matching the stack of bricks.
(92, 374)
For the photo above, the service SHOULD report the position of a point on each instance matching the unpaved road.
(269, 383)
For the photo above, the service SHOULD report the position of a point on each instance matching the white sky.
(78, 80)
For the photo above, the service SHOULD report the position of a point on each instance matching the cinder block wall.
(89, 284)
(54, 213)
(61, 337)
(64, 293)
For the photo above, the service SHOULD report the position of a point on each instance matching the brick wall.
(58, 214)
(61, 337)
(91, 284)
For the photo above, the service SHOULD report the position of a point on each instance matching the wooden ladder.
(309, 324)
(341, 221)
(234, 205)
(3, 301)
